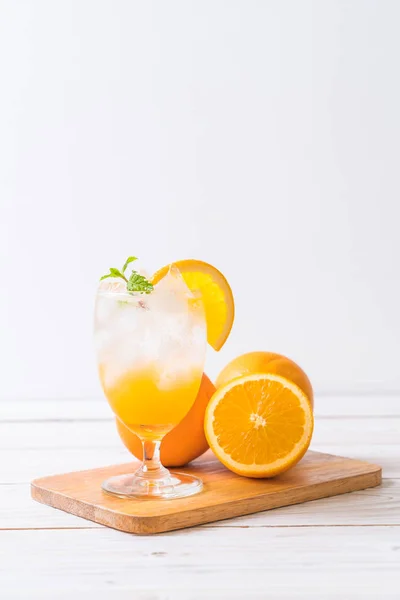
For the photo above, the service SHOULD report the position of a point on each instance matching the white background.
(262, 136)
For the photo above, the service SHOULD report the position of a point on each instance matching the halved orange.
(216, 294)
(259, 425)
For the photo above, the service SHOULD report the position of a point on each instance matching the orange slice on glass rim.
(259, 425)
(216, 294)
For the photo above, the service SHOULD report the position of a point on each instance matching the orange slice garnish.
(216, 294)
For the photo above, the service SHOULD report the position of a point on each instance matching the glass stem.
(152, 467)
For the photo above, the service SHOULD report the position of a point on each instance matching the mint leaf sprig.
(136, 282)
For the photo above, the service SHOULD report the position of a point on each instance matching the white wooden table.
(343, 547)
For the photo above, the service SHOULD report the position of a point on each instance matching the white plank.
(55, 409)
(356, 405)
(385, 456)
(80, 434)
(347, 562)
(375, 506)
(55, 435)
(372, 431)
(21, 466)
(310, 590)
(19, 511)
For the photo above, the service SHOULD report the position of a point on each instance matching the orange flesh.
(255, 426)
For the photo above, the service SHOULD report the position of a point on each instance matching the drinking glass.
(150, 352)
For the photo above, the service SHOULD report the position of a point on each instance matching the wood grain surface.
(225, 494)
(344, 547)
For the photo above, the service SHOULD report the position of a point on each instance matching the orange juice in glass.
(150, 351)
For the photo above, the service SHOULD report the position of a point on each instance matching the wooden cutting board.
(225, 495)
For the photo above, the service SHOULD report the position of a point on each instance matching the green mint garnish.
(138, 283)
(135, 283)
(127, 262)
(114, 273)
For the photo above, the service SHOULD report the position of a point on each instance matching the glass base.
(172, 485)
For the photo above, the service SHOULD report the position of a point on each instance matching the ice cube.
(112, 285)
(170, 292)
(161, 330)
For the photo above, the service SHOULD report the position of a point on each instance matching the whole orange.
(186, 441)
(266, 362)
